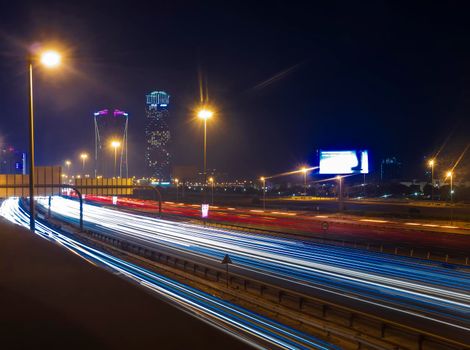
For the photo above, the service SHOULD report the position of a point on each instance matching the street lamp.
(211, 180)
(304, 171)
(340, 192)
(49, 59)
(84, 157)
(451, 175)
(68, 163)
(263, 180)
(205, 114)
(431, 164)
(115, 144)
(176, 183)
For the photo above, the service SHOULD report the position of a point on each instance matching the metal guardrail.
(405, 251)
(425, 253)
(266, 289)
(79, 188)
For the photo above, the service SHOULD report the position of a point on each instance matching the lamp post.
(340, 192)
(48, 59)
(176, 183)
(68, 163)
(211, 180)
(431, 164)
(115, 145)
(451, 176)
(263, 181)
(364, 186)
(84, 157)
(205, 114)
(304, 171)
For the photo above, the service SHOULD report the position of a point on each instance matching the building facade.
(111, 143)
(391, 169)
(157, 135)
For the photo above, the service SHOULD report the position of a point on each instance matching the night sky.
(286, 78)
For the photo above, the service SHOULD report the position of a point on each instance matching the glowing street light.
(176, 183)
(263, 181)
(304, 171)
(431, 164)
(451, 175)
(48, 59)
(115, 144)
(84, 157)
(205, 114)
(68, 163)
(211, 180)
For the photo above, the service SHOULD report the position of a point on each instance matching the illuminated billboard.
(344, 162)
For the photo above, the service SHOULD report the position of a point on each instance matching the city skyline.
(308, 94)
(235, 175)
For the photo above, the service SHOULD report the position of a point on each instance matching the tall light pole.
(68, 163)
(211, 180)
(176, 183)
(431, 164)
(451, 175)
(205, 114)
(364, 186)
(84, 157)
(340, 192)
(304, 171)
(263, 181)
(48, 59)
(115, 145)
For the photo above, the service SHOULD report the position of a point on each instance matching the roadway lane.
(254, 329)
(418, 293)
(417, 234)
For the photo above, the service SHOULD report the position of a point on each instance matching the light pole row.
(449, 175)
(83, 157)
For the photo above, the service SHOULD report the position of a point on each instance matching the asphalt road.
(441, 237)
(51, 299)
(253, 329)
(378, 206)
(420, 294)
(402, 208)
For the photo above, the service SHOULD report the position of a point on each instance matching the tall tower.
(111, 126)
(157, 135)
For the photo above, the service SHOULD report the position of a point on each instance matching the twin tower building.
(111, 153)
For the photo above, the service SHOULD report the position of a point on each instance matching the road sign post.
(226, 260)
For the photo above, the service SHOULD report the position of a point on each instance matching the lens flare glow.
(50, 58)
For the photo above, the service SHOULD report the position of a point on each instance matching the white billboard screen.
(344, 162)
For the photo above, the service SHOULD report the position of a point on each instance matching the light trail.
(147, 204)
(231, 318)
(409, 286)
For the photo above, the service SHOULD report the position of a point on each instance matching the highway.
(446, 237)
(409, 291)
(258, 331)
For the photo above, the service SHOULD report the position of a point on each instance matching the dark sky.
(287, 78)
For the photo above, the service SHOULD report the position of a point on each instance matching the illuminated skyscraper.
(157, 134)
(111, 126)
